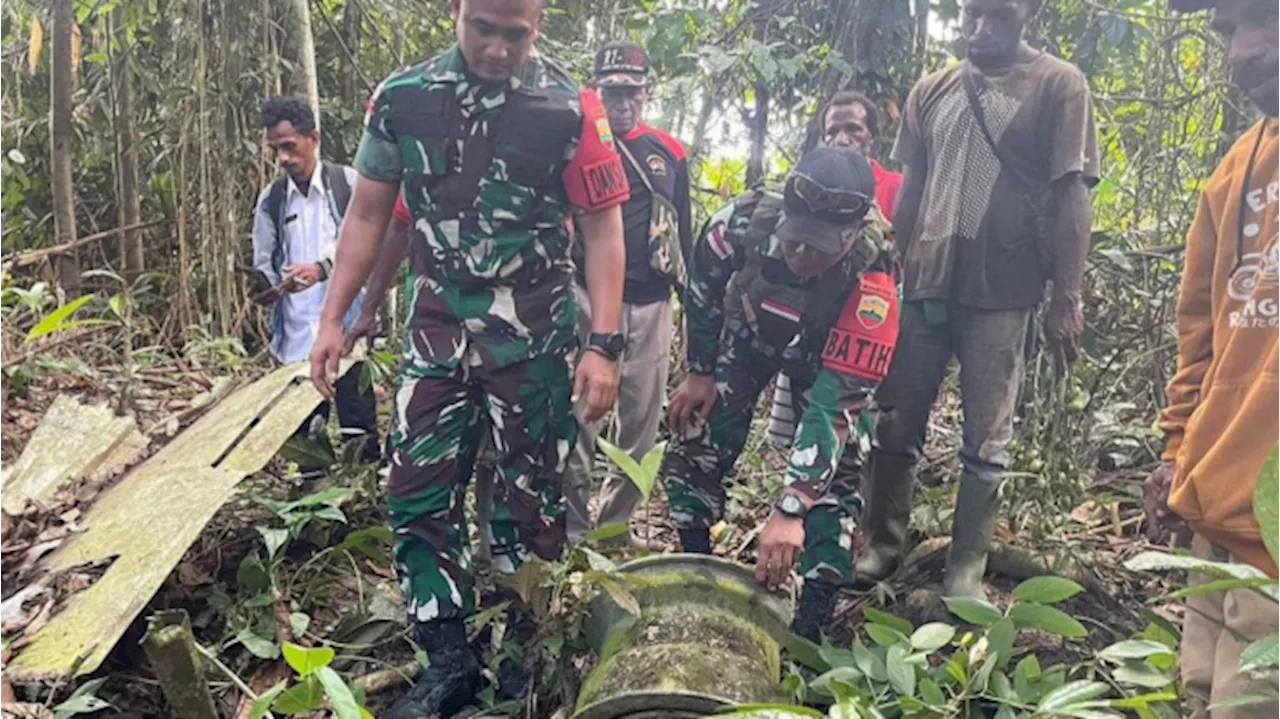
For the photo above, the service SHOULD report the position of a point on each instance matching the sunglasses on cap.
(831, 204)
(619, 92)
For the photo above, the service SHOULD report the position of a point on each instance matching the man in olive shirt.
(999, 152)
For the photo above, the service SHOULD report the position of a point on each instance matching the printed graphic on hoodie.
(1255, 284)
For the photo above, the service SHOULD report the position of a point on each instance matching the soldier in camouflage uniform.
(804, 282)
(492, 148)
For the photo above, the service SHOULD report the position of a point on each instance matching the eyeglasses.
(834, 204)
(616, 93)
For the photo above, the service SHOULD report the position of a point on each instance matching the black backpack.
(335, 178)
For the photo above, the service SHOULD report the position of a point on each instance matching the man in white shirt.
(295, 233)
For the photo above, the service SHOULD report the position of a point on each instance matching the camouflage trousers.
(442, 415)
(696, 464)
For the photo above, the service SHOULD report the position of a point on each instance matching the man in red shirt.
(848, 120)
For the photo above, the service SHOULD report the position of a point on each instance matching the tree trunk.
(66, 267)
(129, 201)
(351, 74)
(759, 134)
(305, 46)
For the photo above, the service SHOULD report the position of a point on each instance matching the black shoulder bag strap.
(975, 104)
(335, 178)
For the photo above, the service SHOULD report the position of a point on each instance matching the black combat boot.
(452, 679)
(695, 541)
(814, 610)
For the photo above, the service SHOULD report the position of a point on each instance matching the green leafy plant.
(940, 670)
(315, 686)
(84, 700)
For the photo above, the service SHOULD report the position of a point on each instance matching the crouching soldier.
(802, 282)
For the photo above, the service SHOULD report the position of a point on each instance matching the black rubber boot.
(813, 611)
(695, 541)
(513, 677)
(453, 678)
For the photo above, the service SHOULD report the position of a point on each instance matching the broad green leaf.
(333, 497)
(1006, 712)
(1265, 585)
(1000, 640)
(306, 452)
(261, 708)
(299, 623)
(56, 321)
(806, 653)
(1261, 654)
(932, 637)
(884, 636)
(1142, 700)
(1139, 673)
(341, 699)
(824, 683)
(598, 561)
(83, 700)
(332, 514)
(620, 595)
(258, 646)
(837, 657)
(957, 670)
(607, 531)
(1001, 687)
(1071, 693)
(306, 660)
(772, 711)
(624, 462)
(1046, 619)
(902, 676)
(931, 693)
(892, 621)
(649, 467)
(870, 664)
(1157, 561)
(982, 677)
(305, 696)
(1134, 649)
(1046, 590)
(973, 610)
(274, 538)
(1025, 675)
(1266, 503)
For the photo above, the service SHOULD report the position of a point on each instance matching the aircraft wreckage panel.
(147, 521)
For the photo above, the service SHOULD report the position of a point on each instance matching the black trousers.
(357, 414)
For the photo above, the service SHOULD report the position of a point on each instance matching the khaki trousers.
(634, 428)
(1216, 629)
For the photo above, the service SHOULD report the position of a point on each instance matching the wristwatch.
(791, 505)
(608, 344)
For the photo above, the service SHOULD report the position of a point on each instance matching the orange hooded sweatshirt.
(1221, 420)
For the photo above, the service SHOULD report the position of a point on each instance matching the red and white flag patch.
(719, 245)
(786, 312)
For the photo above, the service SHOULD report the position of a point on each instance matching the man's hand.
(779, 549)
(596, 379)
(1062, 328)
(326, 353)
(693, 399)
(1162, 522)
(300, 277)
(366, 325)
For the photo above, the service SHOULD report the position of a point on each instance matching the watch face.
(791, 504)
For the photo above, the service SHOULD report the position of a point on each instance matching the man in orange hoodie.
(1220, 422)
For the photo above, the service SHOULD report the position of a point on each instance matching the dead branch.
(22, 259)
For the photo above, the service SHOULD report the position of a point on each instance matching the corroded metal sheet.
(146, 522)
(72, 441)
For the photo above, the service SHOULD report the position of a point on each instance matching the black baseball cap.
(621, 63)
(827, 195)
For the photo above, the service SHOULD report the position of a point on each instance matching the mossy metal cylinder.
(708, 637)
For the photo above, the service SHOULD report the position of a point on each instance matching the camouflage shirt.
(491, 274)
(836, 331)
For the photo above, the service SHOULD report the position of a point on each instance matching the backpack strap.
(275, 210)
(335, 178)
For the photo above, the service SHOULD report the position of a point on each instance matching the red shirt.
(888, 183)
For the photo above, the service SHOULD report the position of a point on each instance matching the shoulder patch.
(864, 337)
